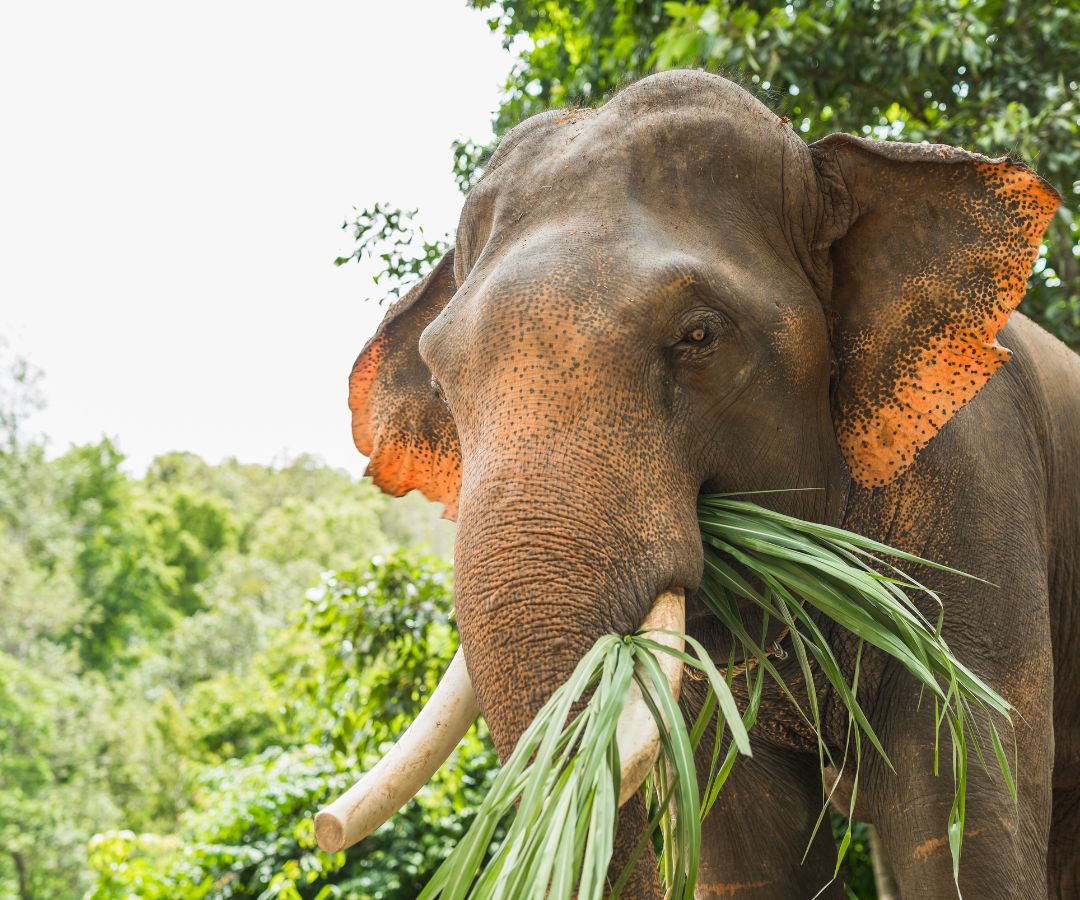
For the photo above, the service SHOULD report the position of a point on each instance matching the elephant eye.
(698, 334)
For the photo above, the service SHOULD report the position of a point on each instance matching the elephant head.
(672, 293)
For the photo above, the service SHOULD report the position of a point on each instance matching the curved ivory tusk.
(449, 712)
(636, 734)
(406, 767)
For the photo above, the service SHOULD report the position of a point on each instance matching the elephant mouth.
(451, 710)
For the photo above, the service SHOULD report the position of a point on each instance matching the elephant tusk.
(449, 712)
(636, 734)
(406, 767)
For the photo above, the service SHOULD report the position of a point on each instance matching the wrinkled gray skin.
(597, 249)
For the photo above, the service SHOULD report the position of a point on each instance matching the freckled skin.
(675, 293)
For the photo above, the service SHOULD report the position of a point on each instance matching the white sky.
(173, 177)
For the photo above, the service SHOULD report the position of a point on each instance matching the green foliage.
(997, 76)
(376, 639)
(252, 492)
(248, 821)
(859, 863)
(386, 638)
(386, 233)
(20, 395)
(329, 530)
(390, 620)
(193, 530)
(119, 565)
(25, 770)
(155, 667)
(72, 759)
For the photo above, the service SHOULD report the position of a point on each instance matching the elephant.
(674, 293)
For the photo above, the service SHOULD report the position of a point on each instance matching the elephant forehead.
(670, 156)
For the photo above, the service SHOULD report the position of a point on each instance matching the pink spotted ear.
(931, 249)
(398, 421)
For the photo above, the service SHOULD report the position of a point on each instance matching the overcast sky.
(173, 177)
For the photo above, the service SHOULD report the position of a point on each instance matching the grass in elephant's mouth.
(561, 836)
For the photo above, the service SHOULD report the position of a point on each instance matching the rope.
(775, 651)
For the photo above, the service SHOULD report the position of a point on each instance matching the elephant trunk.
(542, 573)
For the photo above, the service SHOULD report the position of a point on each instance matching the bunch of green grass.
(563, 776)
(856, 583)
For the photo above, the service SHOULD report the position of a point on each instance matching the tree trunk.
(20, 870)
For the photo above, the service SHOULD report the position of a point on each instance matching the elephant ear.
(398, 420)
(931, 248)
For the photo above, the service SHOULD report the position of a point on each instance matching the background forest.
(192, 660)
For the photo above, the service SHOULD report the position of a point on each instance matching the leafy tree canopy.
(163, 685)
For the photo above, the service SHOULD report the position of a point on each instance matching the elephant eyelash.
(437, 390)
